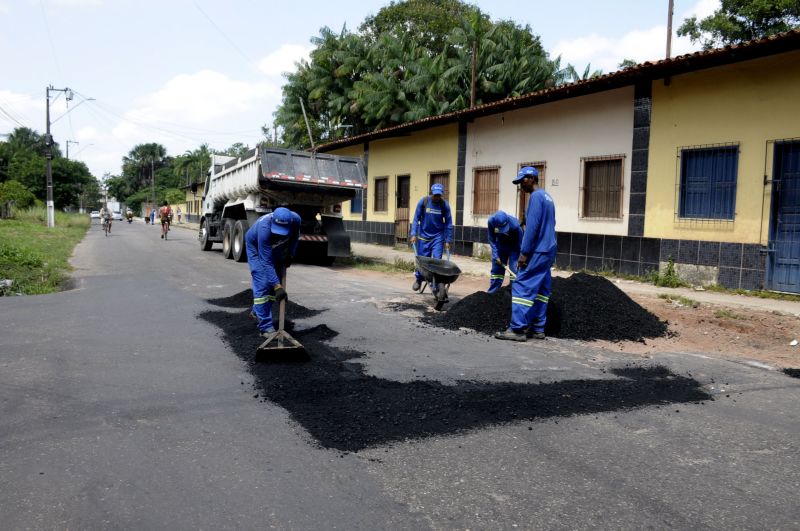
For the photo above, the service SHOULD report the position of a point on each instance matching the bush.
(670, 278)
(15, 191)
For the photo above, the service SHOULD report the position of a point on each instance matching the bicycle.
(106, 226)
(164, 229)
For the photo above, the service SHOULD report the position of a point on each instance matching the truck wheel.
(227, 233)
(239, 246)
(205, 241)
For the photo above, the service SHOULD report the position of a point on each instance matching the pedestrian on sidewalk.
(179, 214)
(431, 229)
(530, 293)
(505, 238)
(153, 216)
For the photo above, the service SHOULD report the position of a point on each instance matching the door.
(783, 264)
(402, 206)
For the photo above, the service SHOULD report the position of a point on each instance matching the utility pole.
(152, 183)
(68, 143)
(51, 214)
(669, 28)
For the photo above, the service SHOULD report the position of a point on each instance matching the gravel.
(343, 408)
(582, 306)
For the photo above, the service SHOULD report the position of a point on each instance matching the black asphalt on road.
(122, 408)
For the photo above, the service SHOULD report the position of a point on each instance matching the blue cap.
(501, 224)
(437, 189)
(527, 171)
(281, 219)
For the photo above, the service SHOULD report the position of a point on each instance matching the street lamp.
(51, 215)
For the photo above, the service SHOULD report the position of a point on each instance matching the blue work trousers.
(263, 292)
(508, 257)
(432, 248)
(531, 293)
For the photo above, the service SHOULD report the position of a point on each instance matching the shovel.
(511, 274)
(281, 346)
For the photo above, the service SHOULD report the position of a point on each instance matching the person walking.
(431, 229)
(271, 244)
(505, 238)
(179, 214)
(153, 216)
(165, 215)
(530, 293)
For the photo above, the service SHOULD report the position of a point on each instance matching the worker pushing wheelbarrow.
(430, 234)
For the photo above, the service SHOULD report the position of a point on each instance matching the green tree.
(627, 63)
(742, 20)
(15, 191)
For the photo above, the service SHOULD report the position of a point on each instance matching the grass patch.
(760, 294)
(34, 256)
(727, 314)
(399, 265)
(679, 299)
(670, 278)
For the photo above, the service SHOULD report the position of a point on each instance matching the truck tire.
(227, 234)
(205, 240)
(238, 243)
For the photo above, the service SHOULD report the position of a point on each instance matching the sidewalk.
(473, 266)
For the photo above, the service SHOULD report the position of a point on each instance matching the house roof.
(647, 71)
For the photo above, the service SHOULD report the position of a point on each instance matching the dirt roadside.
(724, 331)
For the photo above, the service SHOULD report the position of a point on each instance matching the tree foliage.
(411, 60)
(742, 20)
(23, 161)
(15, 191)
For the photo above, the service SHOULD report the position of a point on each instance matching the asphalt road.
(122, 409)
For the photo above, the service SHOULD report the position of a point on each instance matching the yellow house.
(693, 159)
(194, 196)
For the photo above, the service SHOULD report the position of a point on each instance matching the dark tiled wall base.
(740, 265)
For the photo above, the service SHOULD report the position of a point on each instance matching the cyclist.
(105, 218)
(165, 214)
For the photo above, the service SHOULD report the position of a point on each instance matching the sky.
(187, 72)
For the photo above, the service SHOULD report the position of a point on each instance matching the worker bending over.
(431, 229)
(505, 237)
(271, 243)
(530, 293)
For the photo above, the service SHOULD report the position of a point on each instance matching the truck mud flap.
(338, 239)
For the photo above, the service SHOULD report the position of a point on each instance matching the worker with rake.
(271, 243)
(530, 293)
(505, 237)
(431, 229)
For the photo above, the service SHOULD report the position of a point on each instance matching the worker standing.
(271, 243)
(505, 238)
(530, 293)
(431, 229)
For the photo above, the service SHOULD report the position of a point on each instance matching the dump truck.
(239, 190)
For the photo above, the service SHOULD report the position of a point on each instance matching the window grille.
(486, 191)
(601, 187)
(705, 188)
(382, 194)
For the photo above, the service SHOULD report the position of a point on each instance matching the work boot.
(535, 335)
(511, 335)
(416, 285)
(266, 334)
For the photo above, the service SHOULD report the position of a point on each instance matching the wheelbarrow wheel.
(441, 298)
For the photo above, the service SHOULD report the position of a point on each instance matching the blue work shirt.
(434, 220)
(271, 247)
(540, 224)
(508, 241)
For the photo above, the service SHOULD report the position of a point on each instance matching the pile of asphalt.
(582, 306)
(345, 409)
(794, 373)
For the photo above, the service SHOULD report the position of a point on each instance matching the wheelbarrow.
(439, 272)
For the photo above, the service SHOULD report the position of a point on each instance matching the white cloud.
(283, 59)
(640, 45)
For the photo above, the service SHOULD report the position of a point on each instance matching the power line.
(224, 36)
(11, 118)
(50, 38)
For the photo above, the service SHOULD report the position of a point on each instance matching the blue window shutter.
(357, 203)
(708, 182)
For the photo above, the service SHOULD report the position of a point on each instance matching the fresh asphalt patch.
(344, 408)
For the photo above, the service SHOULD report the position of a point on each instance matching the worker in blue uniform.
(271, 243)
(431, 229)
(505, 238)
(530, 293)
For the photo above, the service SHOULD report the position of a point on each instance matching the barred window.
(707, 187)
(602, 187)
(382, 194)
(357, 203)
(486, 191)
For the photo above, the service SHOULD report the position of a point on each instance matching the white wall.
(558, 133)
